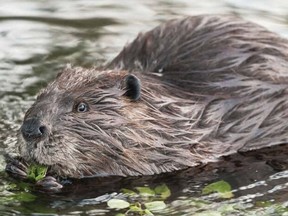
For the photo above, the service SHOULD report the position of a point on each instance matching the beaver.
(182, 94)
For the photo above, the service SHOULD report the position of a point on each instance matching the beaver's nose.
(32, 129)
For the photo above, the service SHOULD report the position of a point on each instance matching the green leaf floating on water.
(135, 208)
(145, 191)
(163, 191)
(118, 204)
(155, 205)
(147, 204)
(128, 192)
(222, 187)
(37, 172)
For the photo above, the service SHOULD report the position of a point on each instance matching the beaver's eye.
(82, 107)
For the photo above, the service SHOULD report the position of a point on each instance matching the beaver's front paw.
(17, 169)
(49, 184)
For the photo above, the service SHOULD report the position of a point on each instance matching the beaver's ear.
(132, 87)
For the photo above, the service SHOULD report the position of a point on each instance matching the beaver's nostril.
(42, 129)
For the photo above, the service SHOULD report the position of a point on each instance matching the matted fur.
(210, 86)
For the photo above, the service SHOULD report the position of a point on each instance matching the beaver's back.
(239, 67)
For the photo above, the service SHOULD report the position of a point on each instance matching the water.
(37, 39)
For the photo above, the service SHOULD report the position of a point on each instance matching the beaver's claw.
(49, 184)
(17, 169)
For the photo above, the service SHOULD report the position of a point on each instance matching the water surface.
(39, 37)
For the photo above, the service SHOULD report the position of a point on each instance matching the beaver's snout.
(32, 130)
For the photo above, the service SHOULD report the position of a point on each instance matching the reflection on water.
(38, 37)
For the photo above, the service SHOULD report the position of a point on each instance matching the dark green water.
(39, 37)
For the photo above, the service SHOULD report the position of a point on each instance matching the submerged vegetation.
(214, 199)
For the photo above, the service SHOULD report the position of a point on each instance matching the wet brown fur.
(210, 86)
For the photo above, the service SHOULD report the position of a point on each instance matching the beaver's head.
(90, 122)
(71, 124)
